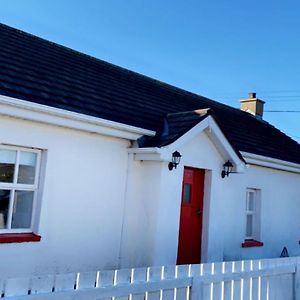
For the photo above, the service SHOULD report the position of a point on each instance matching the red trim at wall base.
(19, 237)
(252, 243)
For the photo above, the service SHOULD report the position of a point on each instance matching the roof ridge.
(204, 110)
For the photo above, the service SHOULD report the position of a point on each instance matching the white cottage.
(89, 172)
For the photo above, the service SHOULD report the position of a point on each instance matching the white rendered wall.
(85, 187)
(82, 204)
(225, 206)
(156, 204)
(280, 211)
(141, 213)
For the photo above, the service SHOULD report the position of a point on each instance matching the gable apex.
(215, 134)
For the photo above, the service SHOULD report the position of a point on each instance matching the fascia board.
(269, 162)
(223, 146)
(26, 110)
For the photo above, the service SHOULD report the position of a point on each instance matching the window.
(187, 193)
(252, 230)
(250, 213)
(19, 173)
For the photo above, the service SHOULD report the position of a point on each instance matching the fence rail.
(257, 279)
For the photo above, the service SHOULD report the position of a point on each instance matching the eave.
(269, 162)
(26, 110)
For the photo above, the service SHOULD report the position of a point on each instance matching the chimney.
(253, 105)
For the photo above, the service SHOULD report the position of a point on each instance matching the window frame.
(14, 186)
(251, 213)
(255, 213)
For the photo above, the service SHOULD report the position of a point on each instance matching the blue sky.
(219, 49)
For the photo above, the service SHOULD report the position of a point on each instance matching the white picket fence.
(254, 279)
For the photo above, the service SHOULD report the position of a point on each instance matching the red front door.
(190, 228)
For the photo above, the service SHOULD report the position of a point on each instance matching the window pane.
(4, 206)
(27, 167)
(22, 210)
(186, 193)
(7, 165)
(250, 201)
(249, 226)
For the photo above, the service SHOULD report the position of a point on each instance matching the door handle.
(199, 212)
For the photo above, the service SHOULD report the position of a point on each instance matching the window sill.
(19, 238)
(252, 243)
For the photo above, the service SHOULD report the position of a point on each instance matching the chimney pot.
(252, 95)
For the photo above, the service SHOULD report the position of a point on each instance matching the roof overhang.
(269, 162)
(26, 110)
(211, 128)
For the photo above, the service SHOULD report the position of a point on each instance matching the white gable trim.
(211, 128)
(269, 162)
(26, 110)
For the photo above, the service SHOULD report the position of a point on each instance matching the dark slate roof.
(42, 72)
(174, 125)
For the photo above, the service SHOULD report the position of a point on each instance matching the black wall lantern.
(227, 169)
(176, 156)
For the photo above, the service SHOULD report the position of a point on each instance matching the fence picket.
(265, 281)
(154, 273)
(182, 271)
(123, 276)
(168, 273)
(17, 286)
(228, 285)
(197, 289)
(218, 287)
(273, 281)
(87, 280)
(247, 282)
(65, 282)
(42, 284)
(207, 269)
(196, 270)
(106, 279)
(139, 275)
(238, 283)
(255, 265)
